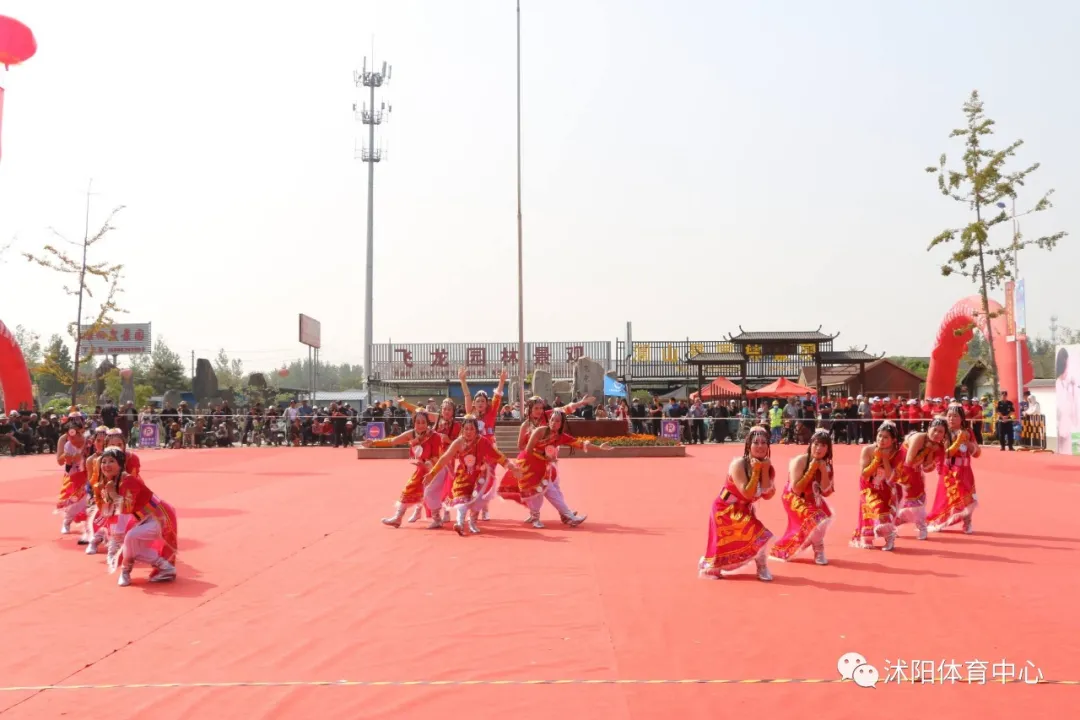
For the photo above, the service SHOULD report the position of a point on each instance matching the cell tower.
(370, 115)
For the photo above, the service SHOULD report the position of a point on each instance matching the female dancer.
(486, 414)
(425, 446)
(810, 481)
(96, 515)
(437, 491)
(877, 507)
(471, 453)
(144, 526)
(922, 451)
(537, 415)
(71, 452)
(955, 500)
(736, 536)
(537, 480)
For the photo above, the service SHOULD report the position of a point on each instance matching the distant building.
(882, 377)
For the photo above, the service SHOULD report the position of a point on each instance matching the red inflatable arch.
(950, 347)
(14, 376)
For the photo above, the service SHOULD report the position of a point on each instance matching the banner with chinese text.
(482, 361)
(131, 339)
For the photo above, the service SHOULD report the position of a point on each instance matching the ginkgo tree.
(103, 273)
(981, 183)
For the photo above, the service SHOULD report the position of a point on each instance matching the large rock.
(127, 386)
(588, 378)
(172, 399)
(99, 378)
(205, 386)
(541, 385)
(563, 389)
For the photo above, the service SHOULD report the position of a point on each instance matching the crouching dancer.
(144, 526)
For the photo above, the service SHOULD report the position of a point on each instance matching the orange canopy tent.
(720, 387)
(781, 388)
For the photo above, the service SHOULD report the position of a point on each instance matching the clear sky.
(690, 166)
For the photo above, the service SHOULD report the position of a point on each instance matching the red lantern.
(283, 372)
(17, 43)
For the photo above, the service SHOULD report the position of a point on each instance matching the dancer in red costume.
(144, 526)
(96, 513)
(425, 446)
(469, 456)
(955, 500)
(877, 502)
(537, 415)
(810, 481)
(71, 452)
(736, 536)
(537, 477)
(922, 452)
(437, 492)
(486, 414)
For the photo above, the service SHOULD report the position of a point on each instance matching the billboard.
(439, 362)
(310, 331)
(1067, 395)
(129, 339)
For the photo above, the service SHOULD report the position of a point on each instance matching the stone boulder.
(541, 385)
(563, 389)
(588, 378)
(127, 386)
(205, 386)
(102, 370)
(172, 399)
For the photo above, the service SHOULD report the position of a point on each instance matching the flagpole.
(521, 269)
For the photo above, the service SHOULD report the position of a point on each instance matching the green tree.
(61, 262)
(166, 371)
(230, 373)
(55, 372)
(982, 183)
(30, 344)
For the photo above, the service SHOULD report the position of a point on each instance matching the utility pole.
(370, 116)
(82, 288)
(521, 266)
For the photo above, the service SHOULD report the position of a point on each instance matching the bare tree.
(58, 260)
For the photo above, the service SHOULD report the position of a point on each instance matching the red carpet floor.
(289, 585)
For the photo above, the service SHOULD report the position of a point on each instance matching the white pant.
(138, 543)
(554, 496)
(433, 492)
(74, 509)
(915, 514)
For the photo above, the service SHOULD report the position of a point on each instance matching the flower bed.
(638, 440)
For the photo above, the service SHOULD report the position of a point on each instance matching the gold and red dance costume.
(436, 492)
(425, 447)
(72, 449)
(810, 481)
(101, 512)
(880, 464)
(736, 536)
(922, 452)
(143, 526)
(487, 415)
(538, 476)
(95, 517)
(471, 487)
(538, 416)
(955, 500)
